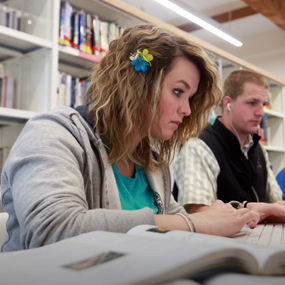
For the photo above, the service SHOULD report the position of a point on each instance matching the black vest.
(237, 174)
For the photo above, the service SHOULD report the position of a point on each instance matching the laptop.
(262, 234)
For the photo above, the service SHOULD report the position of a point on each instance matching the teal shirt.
(135, 193)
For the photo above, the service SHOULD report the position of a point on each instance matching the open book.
(145, 255)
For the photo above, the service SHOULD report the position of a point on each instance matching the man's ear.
(226, 103)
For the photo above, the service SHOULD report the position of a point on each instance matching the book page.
(261, 253)
(113, 258)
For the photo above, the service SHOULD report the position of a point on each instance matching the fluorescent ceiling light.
(204, 24)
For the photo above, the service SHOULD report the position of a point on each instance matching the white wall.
(265, 50)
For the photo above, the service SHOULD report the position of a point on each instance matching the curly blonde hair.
(118, 94)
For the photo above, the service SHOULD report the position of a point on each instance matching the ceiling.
(259, 23)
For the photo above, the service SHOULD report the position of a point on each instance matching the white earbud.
(230, 115)
(229, 106)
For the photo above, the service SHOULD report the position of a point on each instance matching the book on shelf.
(61, 24)
(18, 20)
(104, 38)
(82, 31)
(88, 33)
(145, 255)
(85, 86)
(260, 133)
(113, 32)
(10, 17)
(262, 129)
(8, 92)
(96, 35)
(70, 90)
(65, 23)
(75, 30)
(265, 127)
(269, 100)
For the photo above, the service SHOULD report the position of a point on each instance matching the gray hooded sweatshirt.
(57, 183)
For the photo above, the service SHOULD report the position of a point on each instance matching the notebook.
(263, 234)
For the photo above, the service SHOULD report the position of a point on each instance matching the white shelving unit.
(33, 56)
(21, 41)
(15, 116)
(30, 58)
(276, 126)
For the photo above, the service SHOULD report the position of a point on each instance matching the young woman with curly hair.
(104, 166)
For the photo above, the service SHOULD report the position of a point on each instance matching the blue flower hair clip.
(141, 60)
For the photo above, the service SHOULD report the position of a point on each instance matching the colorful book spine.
(96, 35)
(75, 29)
(104, 39)
(265, 126)
(71, 90)
(61, 28)
(82, 34)
(89, 33)
(86, 32)
(67, 24)
(262, 129)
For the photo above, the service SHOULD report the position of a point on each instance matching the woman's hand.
(223, 220)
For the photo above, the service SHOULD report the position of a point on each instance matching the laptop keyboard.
(267, 234)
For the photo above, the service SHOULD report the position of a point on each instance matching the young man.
(227, 162)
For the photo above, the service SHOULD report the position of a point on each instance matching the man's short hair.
(235, 82)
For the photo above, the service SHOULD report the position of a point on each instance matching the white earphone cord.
(234, 127)
(254, 192)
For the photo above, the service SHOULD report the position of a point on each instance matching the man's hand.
(270, 212)
(223, 220)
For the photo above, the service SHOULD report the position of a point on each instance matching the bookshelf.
(33, 56)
